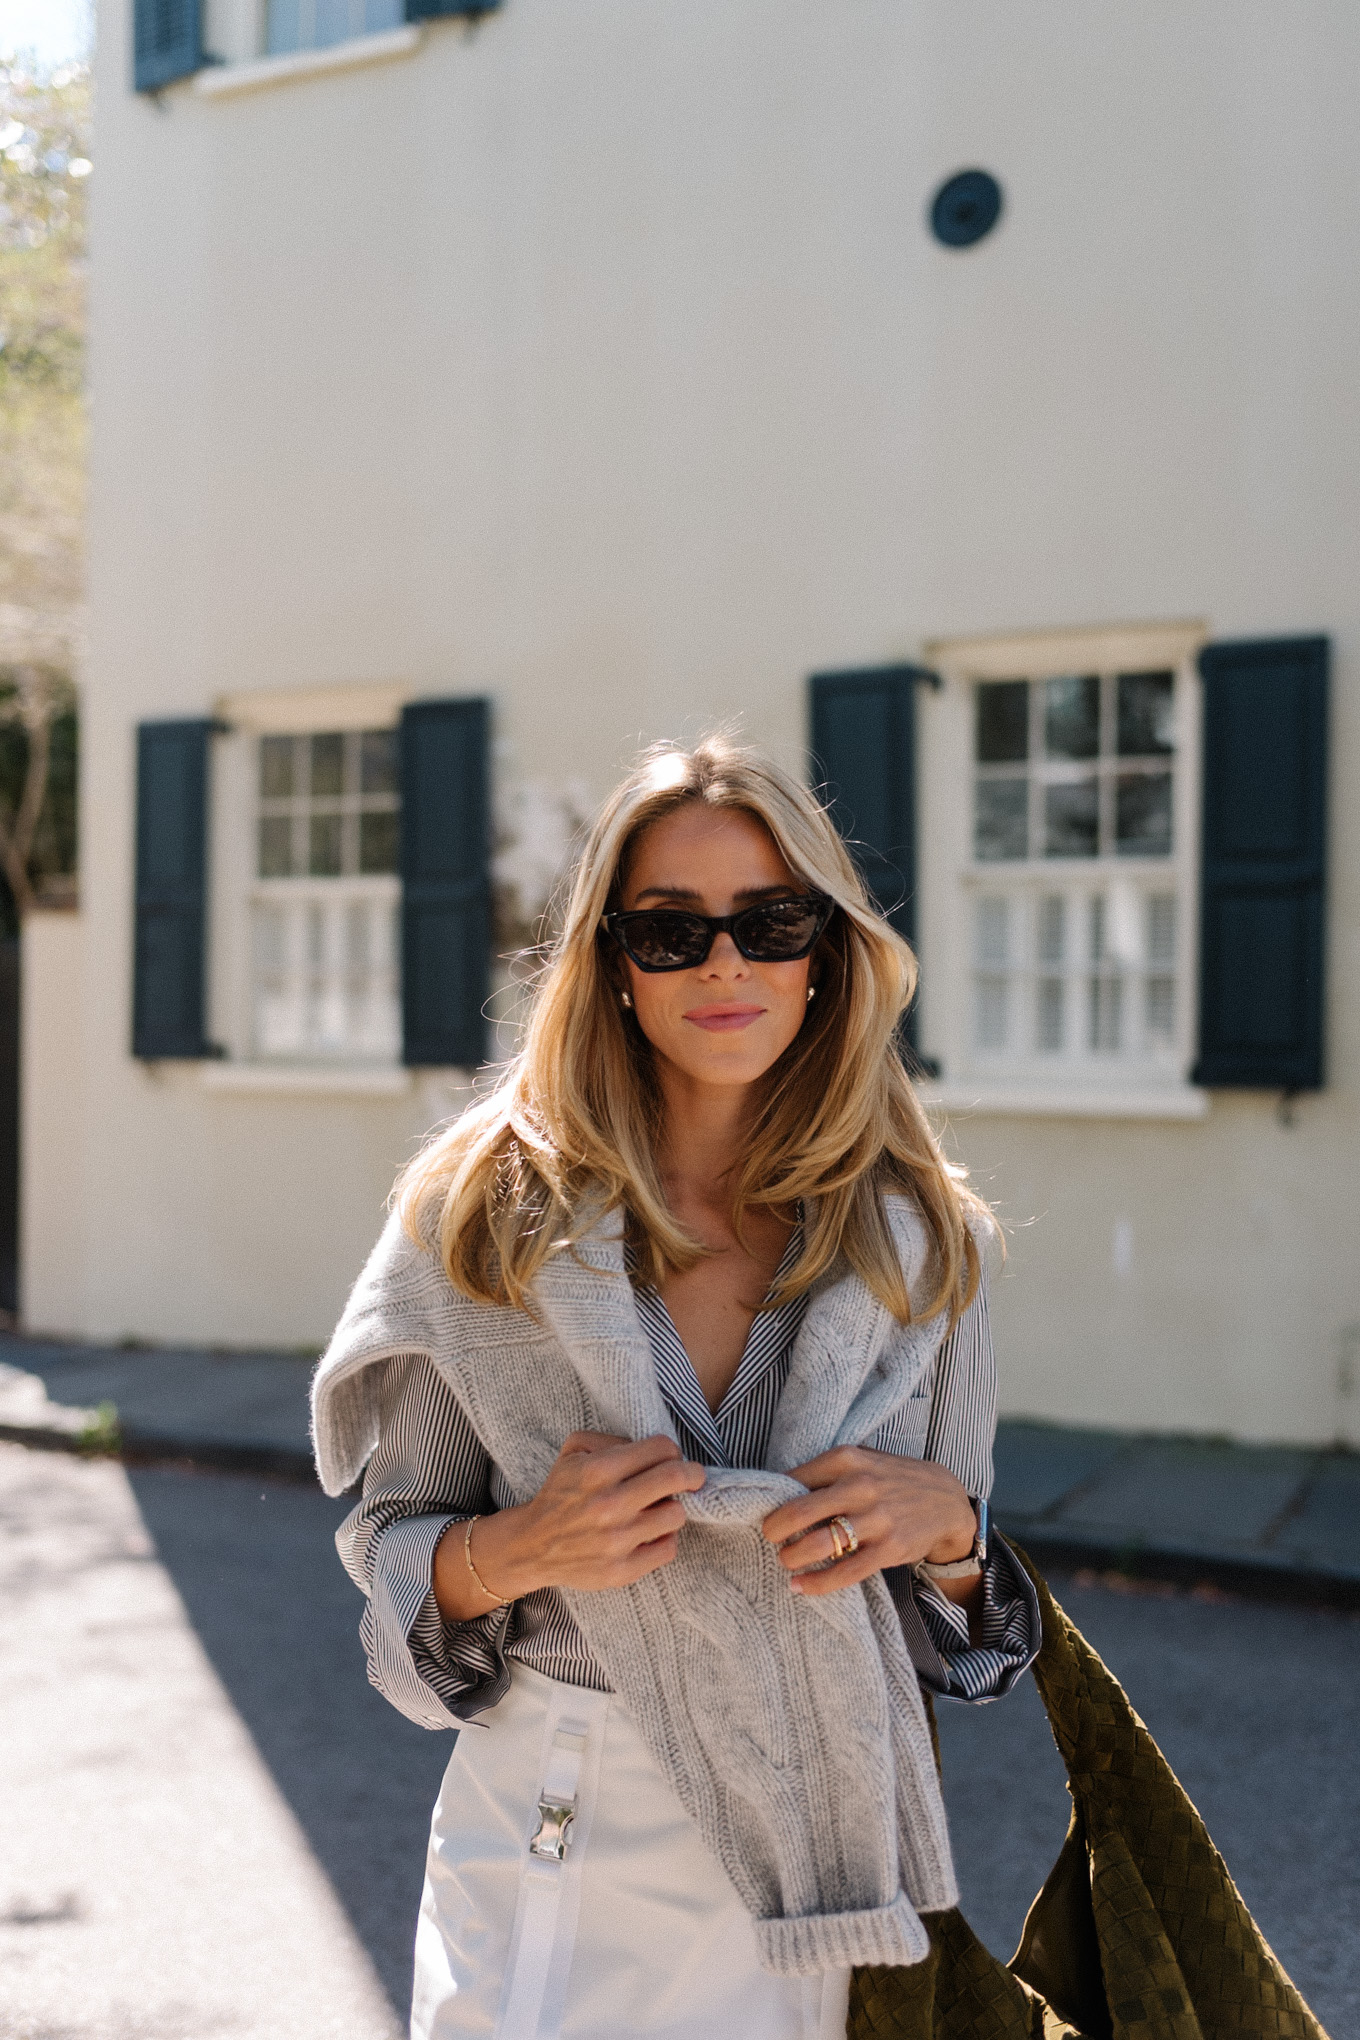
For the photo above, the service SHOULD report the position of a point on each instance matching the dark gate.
(9, 1124)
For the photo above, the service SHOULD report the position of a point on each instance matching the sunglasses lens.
(783, 930)
(665, 941)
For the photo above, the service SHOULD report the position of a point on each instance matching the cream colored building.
(599, 364)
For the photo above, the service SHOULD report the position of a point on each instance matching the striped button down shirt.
(429, 1471)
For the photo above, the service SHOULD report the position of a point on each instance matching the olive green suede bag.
(1139, 1932)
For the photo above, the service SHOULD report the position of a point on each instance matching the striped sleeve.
(1010, 1629)
(963, 1399)
(428, 1471)
(960, 1433)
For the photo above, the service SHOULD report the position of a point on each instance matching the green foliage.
(42, 353)
(44, 182)
(53, 855)
(103, 1438)
(44, 185)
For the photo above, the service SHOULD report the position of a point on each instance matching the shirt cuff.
(437, 1673)
(1010, 1629)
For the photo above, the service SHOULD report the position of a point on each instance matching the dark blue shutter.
(437, 10)
(864, 752)
(1263, 864)
(446, 881)
(167, 42)
(168, 963)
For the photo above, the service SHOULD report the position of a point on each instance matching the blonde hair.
(573, 1128)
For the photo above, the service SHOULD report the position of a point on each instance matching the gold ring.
(837, 1547)
(841, 1527)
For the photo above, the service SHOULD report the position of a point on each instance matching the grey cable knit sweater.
(792, 1729)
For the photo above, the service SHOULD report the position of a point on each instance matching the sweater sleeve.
(428, 1471)
(961, 1429)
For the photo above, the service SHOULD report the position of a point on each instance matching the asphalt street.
(213, 1827)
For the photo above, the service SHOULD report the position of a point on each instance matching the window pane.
(378, 761)
(276, 853)
(328, 765)
(1146, 725)
(1072, 819)
(1142, 814)
(276, 768)
(377, 842)
(1161, 928)
(1161, 1008)
(1052, 929)
(1106, 1012)
(992, 929)
(1000, 825)
(1050, 1017)
(324, 847)
(332, 23)
(357, 959)
(991, 1012)
(285, 28)
(1002, 722)
(1072, 717)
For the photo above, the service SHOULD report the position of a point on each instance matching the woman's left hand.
(902, 1510)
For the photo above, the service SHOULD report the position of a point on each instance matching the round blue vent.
(965, 207)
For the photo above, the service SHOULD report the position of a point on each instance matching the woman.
(672, 1380)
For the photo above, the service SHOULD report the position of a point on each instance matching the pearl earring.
(627, 998)
(812, 993)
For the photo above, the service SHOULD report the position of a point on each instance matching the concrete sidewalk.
(1269, 1520)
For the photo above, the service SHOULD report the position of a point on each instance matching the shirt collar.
(768, 1344)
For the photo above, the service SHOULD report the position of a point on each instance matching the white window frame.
(951, 879)
(236, 34)
(235, 886)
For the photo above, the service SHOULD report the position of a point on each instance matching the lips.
(726, 1019)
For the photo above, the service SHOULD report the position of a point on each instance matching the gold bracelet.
(499, 1599)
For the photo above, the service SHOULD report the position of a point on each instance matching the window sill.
(307, 1079)
(222, 81)
(1174, 1101)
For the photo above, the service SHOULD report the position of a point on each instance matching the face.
(727, 1020)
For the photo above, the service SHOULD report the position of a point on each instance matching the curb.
(145, 1448)
(1253, 1579)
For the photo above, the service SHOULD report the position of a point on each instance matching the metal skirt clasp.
(553, 1834)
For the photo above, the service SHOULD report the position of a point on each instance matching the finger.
(657, 1483)
(848, 1572)
(616, 1462)
(810, 1550)
(649, 1558)
(791, 1519)
(663, 1519)
(592, 1441)
(829, 1466)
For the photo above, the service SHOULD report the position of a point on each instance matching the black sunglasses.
(774, 931)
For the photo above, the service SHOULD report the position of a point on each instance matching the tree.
(44, 178)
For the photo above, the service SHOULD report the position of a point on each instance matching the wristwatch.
(963, 1568)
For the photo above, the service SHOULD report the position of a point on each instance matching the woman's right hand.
(606, 1515)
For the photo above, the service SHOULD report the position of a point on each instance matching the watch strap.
(963, 1568)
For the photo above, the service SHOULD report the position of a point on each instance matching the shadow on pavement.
(1254, 1707)
(256, 1568)
(1255, 1710)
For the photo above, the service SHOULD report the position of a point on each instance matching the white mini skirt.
(614, 1923)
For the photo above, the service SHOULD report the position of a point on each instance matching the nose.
(724, 959)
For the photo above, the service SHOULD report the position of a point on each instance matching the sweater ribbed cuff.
(888, 1934)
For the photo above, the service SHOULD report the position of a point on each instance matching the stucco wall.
(53, 1119)
(598, 359)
